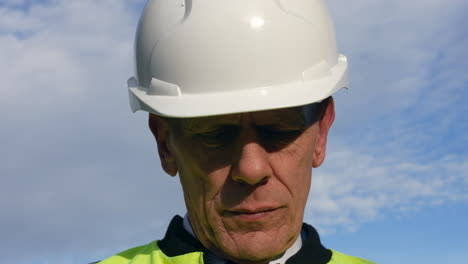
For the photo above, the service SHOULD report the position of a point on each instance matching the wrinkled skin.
(246, 177)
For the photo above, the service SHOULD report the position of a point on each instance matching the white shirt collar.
(289, 253)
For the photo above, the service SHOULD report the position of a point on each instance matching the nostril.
(263, 181)
(246, 182)
(252, 169)
(253, 165)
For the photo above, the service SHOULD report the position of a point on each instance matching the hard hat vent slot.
(159, 87)
(188, 9)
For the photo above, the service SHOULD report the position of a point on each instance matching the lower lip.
(253, 216)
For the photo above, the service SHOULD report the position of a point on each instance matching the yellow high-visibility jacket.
(179, 247)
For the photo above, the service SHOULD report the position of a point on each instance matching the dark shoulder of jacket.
(312, 250)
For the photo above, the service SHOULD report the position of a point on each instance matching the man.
(239, 96)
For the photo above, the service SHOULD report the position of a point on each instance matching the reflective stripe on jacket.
(179, 247)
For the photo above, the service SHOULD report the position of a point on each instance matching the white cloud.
(402, 54)
(400, 140)
(15, 21)
(354, 188)
(64, 49)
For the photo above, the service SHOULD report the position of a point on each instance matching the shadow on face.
(275, 129)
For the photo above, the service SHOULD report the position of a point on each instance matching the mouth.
(239, 212)
(251, 215)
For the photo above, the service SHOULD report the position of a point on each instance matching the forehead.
(287, 117)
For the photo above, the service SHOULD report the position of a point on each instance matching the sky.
(81, 180)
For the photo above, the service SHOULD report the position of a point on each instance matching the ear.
(160, 128)
(326, 117)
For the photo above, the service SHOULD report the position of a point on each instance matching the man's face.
(245, 177)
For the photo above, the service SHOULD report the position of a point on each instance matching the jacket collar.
(178, 241)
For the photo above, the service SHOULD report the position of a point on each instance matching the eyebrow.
(205, 123)
(295, 117)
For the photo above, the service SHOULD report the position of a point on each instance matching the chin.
(255, 247)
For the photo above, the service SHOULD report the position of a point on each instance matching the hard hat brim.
(246, 100)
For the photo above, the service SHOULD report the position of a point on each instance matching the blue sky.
(81, 179)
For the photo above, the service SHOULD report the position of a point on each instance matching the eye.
(218, 137)
(275, 138)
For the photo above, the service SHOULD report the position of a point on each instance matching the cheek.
(202, 182)
(296, 178)
(293, 168)
(202, 174)
(207, 160)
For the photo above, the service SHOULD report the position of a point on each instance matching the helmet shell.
(201, 57)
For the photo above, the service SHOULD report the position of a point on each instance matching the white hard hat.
(210, 57)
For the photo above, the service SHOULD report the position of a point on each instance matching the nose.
(252, 167)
